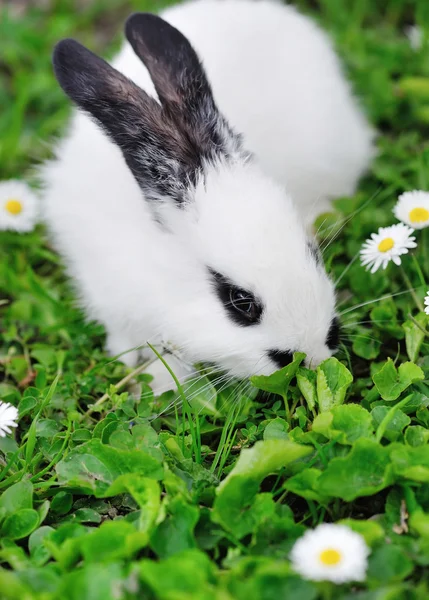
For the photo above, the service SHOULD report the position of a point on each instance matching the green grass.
(108, 492)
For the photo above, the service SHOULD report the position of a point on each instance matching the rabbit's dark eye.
(241, 305)
(245, 303)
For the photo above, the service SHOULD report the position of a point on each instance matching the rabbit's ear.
(161, 157)
(181, 83)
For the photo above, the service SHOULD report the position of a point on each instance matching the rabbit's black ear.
(179, 78)
(161, 157)
(181, 83)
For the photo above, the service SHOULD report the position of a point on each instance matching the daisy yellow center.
(419, 215)
(330, 557)
(386, 244)
(14, 207)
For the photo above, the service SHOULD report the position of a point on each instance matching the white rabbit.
(173, 225)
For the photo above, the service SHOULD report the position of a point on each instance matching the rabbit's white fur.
(278, 81)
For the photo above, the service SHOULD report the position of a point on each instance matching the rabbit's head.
(248, 288)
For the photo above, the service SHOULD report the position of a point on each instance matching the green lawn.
(110, 493)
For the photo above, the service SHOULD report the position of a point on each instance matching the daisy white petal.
(331, 553)
(427, 303)
(19, 206)
(412, 209)
(414, 34)
(388, 244)
(8, 418)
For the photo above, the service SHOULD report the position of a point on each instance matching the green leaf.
(260, 578)
(18, 496)
(391, 382)
(38, 551)
(363, 472)
(113, 540)
(416, 435)
(92, 467)
(42, 581)
(12, 587)
(46, 428)
(64, 543)
(278, 382)
(371, 531)
(176, 532)
(333, 381)
(201, 395)
(94, 581)
(276, 430)
(414, 86)
(236, 493)
(304, 484)
(389, 563)
(31, 436)
(185, 575)
(419, 523)
(61, 503)
(365, 345)
(345, 424)
(396, 424)
(20, 524)
(414, 336)
(411, 463)
(146, 492)
(43, 510)
(306, 380)
(84, 515)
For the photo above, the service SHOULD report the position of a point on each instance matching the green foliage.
(107, 492)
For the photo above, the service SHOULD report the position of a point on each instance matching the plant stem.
(287, 411)
(417, 324)
(425, 244)
(56, 457)
(419, 271)
(119, 385)
(327, 590)
(196, 440)
(411, 290)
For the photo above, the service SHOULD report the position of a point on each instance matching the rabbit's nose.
(281, 358)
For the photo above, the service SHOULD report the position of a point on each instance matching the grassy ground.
(107, 501)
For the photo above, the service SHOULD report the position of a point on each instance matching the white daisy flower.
(8, 418)
(427, 303)
(389, 243)
(331, 553)
(18, 206)
(412, 209)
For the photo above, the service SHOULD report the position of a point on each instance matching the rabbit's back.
(278, 80)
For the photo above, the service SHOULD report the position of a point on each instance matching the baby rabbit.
(167, 199)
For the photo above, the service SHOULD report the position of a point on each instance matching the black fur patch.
(163, 161)
(227, 292)
(282, 359)
(333, 337)
(181, 83)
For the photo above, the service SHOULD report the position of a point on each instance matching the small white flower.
(427, 303)
(18, 206)
(414, 34)
(331, 553)
(8, 418)
(412, 209)
(389, 243)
